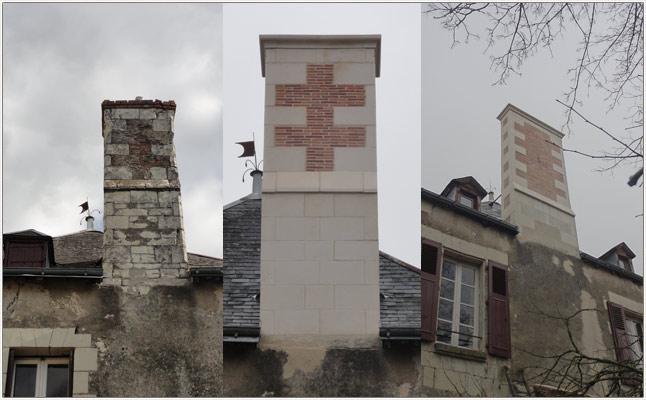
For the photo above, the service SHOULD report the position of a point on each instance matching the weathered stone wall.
(144, 242)
(546, 284)
(307, 370)
(165, 343)
(448, 371)
(450, 376)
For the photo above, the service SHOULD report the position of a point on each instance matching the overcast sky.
(398, 99)
(60, 61)
(461, 135)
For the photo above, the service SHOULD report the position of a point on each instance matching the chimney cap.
(321, 42)
(139, 103)
(511, 107)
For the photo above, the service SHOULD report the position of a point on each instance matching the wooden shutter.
(431, 262)
(10, 368)
(26, 254)
(70, 374)
(619, 334)
(498, 311)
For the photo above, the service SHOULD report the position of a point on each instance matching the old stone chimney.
(319, 253)
(535, 193)
(144, 233)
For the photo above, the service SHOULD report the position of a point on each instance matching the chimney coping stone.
(511, 107)
(165, 105)
(321, 42)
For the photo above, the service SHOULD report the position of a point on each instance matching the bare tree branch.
(610, 57)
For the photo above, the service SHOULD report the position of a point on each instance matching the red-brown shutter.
(26, 254)
(431, 262)
(498, 311)
(10, 368)
(619, 334)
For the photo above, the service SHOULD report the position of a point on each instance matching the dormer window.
(27, 249)
(465, 191)
(621, 256)
(25, 254)
(467, 199)
(624, 263)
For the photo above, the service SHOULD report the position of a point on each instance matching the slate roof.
(80, 247)
(200, 261)
(400, 284)
(400, 287)
(241, 284)
(84, 249)
(491, 208)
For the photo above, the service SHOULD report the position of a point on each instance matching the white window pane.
(467, 295)
(444, 331)
(467, 339)
(25, 380)
(446, 310)
(447, 289)
(448, 270)
(466, 315)
(57, 380)
(467, 201)
(469, 276)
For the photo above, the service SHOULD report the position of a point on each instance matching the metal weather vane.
(85, 207)
(249, 149)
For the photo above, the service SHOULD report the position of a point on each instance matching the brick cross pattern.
(320, 95)
(541, 175)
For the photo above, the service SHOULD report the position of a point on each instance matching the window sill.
(459, 352)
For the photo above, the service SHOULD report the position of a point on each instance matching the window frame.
(457, 300)
(42, 364)
(637, 319)
(475, 204)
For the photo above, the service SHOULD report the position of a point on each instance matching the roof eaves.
(399, 262)
(468, 211)
(251, 196)
(612, 268)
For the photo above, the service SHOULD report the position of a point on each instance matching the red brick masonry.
(320, 95)
(539, 161)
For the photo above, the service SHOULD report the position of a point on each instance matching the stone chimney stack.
(319, 252)
(144, 233)
(535, 194)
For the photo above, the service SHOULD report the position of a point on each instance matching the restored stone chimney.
(535, 194)
(144, 233)
(320, 253)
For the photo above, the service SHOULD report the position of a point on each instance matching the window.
(40, 377)
(635, 334)
(451, 306)
(25, 254)
(458, 313)
(624, 263)
(467, 199)
(627, 333)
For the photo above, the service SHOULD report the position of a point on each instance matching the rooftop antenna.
(253, 167)
(85, 207)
